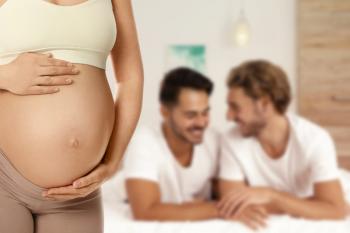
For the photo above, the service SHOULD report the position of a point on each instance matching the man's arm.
(145, 199)
(326, 203)
(226, 186)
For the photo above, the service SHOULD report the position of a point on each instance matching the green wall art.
(192, 56)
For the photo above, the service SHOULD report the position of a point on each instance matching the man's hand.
(81, 187)
(254, 217)
(234, 202)
(36, 73)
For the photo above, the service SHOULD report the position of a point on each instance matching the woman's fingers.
(47, 61)
(41, 90)
(62, 197)
(53, 66)
(52, 81)
(57, 70)
(93, 177)
(26, 71)
(70, 191)
(41, 54)
(78, 193)
(98, 175)
(85, 181)
(47, 85)
(61, 190)
(88, 184)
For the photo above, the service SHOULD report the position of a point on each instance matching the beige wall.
(209, 22)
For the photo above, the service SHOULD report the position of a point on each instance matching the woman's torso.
(54, 139)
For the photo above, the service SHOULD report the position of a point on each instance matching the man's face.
(189, 118)
(245, 111)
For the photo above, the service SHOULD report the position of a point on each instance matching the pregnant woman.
(61, 133)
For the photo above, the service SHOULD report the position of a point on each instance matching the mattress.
(118, 218)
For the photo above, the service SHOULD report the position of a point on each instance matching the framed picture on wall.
(192, 56)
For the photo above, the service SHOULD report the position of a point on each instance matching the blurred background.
(309, 39)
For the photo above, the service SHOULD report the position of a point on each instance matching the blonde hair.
(260, 78)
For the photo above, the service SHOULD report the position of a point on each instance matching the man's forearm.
(180, 212)
(306, 208)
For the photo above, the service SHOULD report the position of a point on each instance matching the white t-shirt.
(148, 157)
(310, 157)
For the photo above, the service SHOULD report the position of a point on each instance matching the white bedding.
(118, 218)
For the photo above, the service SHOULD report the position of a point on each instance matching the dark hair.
(180, 78)
(261, 78)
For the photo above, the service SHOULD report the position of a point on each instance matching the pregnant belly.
(54, 139)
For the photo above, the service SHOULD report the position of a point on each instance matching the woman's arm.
(126, 59)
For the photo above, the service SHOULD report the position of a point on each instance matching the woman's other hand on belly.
(36, 74)
(82, 186)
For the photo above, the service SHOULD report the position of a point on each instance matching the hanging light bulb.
(241, 32)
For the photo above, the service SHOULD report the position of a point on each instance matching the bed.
(118, 218)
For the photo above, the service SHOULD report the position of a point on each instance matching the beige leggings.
(24, 210)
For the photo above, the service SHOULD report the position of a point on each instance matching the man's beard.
(179, 133)
(253, 129)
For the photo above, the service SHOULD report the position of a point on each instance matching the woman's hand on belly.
(36, 74)
(82, 186)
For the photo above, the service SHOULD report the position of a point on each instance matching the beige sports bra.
(83, 33)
